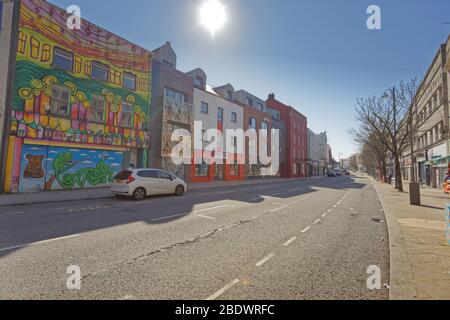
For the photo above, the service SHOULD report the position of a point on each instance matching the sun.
(213, 16)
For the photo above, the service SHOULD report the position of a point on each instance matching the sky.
(316, 55)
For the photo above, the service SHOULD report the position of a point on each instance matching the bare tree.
(372, 149)
(408, 98)
(385, 117)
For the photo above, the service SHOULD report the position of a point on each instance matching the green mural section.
(27, 73)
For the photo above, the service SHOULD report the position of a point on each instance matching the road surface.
(312, 239)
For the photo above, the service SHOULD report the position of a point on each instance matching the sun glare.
(213, 16)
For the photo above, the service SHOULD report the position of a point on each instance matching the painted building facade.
(296, 138)
(171, 109)
(280, 125)
(216, 112)
(256, 118)
(80, 109)
(8, 12)
(317, 153)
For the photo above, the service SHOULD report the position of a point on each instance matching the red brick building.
(296, 139)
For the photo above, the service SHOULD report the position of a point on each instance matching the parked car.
(338, 173)
(347, 173)
(331, 174)
(141, 183)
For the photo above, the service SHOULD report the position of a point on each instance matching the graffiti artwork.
(58, 168)
(85, 88)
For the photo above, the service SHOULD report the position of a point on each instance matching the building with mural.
(8, 12)
(171, 109)
(80, 109)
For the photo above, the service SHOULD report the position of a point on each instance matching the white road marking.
(279, 208)
(189, 213)
(270, 256)
(257, 198)
(225, 192)
(210, 209)
(283, 207)
(324, 215)
(335, 206)
(306, 229)
(223, 290)
(330, 210)
(293, 190)
(12, 213)
(317, 221)
(270, 195)
(290, 241)
(36, 243)
(170, 217)
(203, 216)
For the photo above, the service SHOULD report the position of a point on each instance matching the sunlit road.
(309, 239)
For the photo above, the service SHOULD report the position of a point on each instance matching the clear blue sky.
(316, 55)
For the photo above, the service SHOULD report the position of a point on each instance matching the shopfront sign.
(438, 152)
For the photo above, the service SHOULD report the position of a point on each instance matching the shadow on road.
(29, 224)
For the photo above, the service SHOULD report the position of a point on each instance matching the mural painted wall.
(59, 168)
(87, 87)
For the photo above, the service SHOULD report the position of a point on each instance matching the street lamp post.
(414, 186)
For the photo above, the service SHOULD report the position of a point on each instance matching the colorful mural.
(74, 89)
(59, 168)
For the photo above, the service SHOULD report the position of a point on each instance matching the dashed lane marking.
(290, 241)
(223, 290)
(263, 261)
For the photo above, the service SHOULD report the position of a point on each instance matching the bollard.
(447, 223)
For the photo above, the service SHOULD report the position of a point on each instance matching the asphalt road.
(311, 239)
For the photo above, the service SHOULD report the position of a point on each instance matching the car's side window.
(143, 174)
(163, 175)
(153, 174)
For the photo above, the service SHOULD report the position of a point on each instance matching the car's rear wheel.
(179, 191)
(139, 194)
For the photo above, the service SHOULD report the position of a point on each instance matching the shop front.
(437, 165)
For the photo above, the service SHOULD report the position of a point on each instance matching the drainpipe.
(11, 76)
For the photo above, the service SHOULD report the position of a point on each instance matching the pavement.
(294, 240)
(420, 256)
(105, 193)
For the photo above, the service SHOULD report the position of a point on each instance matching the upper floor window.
(260, 106)
(198, 82)
(220, 115)
(234, 117)
(127, 115)
(204, 107)
(97, 111)
(60, 101)
(99, 71)
(129, 81)
(264, 125)
(252, 123)
(249, 101)
(175, 95)
(230, 95)
(62, 59)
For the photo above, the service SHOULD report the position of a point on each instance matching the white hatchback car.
(140, 183)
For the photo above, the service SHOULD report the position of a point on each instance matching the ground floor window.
(201, 170)
(234, 169)
(219, 171)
